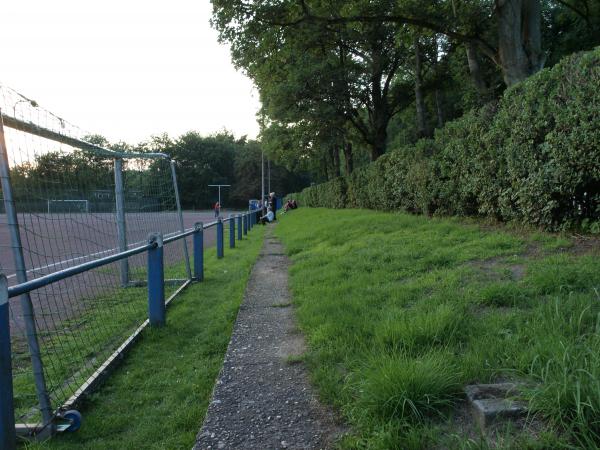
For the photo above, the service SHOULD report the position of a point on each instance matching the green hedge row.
(533, 157)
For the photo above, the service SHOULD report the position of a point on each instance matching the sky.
(126, 69)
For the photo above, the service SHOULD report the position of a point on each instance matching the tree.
(201, 161)
(517, 51)
(301, 67)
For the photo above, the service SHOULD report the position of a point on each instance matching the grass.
(158, 396)
(401, 312)
(73, 349)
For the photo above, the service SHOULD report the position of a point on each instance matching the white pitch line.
(91, 255)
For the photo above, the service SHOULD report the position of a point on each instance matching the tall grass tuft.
(418, 330)
(399, 387)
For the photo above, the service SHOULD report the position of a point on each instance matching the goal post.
(68, 206)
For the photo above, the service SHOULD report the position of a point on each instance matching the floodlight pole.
(262, 180)
(219, 186)
(269, 176)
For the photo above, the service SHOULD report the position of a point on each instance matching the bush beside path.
(533, 157)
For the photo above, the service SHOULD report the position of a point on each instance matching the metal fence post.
(181, 224)
(156, 282)
(26, 305)
(7, 410)
(121, 223)
(199, 251)
(239, 227)
(231, 231)
(220, 238)
(245, 218)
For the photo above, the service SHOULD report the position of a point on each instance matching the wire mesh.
(65, 201)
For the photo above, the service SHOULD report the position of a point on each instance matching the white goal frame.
(86, 208)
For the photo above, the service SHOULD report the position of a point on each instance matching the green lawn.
(73, 350)
(401, 312)
(158, 396)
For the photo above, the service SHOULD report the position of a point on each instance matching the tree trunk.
(419, 97)
(348, 159)
(379, 141)
(325, 166)
(335, 159)
(439, 103)
(379, 116)
(475, 71)
(519, 38)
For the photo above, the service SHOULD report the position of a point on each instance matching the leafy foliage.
(533, 157)
(382, 74)
(200, 161)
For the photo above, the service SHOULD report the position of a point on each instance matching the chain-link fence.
(67, 200)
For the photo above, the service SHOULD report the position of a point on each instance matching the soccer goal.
(68, 206)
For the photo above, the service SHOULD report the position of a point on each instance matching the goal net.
(76, 200)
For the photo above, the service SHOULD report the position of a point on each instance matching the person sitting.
(287, 206)
(267, 218)
(294, 204)
(273, 204)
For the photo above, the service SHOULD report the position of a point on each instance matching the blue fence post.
(7, 411)
(199, 251)
(156, 282)
(231, 231)
(220, 238)
(245, 216)
(251, 220)
(239, 227)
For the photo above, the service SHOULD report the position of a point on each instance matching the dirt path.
(262, 399)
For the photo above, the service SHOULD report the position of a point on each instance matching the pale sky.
(126, 69)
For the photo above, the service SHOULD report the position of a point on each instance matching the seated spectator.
(294, 204)
(287, 206)
(267, 218)
(273, 204)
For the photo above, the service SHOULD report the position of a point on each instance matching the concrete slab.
(493, 403)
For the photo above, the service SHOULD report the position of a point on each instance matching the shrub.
(533, 157)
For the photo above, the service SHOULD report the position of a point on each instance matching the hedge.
(533, 157)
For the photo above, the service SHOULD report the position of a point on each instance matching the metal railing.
(156, 317)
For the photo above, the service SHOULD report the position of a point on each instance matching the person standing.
(273, 204)
(217, 209)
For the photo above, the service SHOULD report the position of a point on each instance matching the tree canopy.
(342, 80)
(199, 160)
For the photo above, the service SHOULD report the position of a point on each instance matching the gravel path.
(263, 399)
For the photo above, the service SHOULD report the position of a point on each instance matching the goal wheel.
(75, 418)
